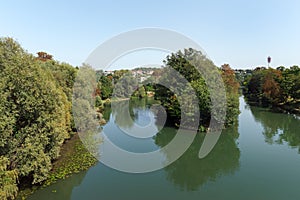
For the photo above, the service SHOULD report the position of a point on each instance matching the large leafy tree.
(275, 87)
(232, 94)
(64, 76)
(185, 63)
(35, 114)
(291, 82)
(63, 73)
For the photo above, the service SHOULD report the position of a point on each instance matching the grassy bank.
(74, 158)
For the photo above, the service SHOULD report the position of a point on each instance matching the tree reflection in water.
(189, 172)
(278, 127)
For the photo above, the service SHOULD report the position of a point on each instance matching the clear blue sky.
(241, 33)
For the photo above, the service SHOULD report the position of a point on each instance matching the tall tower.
(269, 61)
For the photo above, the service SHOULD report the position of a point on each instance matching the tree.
(105, 86)
(43, 56)
(63, 73)
(141, 92)
(64, 76)
(232, 96)
(277, 88)
(186, 63)
(118, 74)
(8, 180)
(125, 86)
(270, 88)
(35, 113)
(291, 83)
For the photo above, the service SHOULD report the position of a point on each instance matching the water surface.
(258, 159)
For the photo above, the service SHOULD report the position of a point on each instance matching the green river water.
(257, 159)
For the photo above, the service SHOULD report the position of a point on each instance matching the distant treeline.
(107, 89)
(277, 88)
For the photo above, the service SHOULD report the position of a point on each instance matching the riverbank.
(288, 107)
(74, 158)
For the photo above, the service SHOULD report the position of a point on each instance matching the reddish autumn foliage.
(270, 87)
(43, 56)
(229, 79)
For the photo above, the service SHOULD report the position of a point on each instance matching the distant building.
(108, 72)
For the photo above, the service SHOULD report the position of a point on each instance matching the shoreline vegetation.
(74, 159)
(287, 108)
(189, 63)
(39, 143)
(278, 89)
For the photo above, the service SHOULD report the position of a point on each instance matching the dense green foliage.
(182, 63)
(243, 76)
(232, 94)
(8, 178)
(106, 83)
(74, 158)
(35, 114)
(64, 75)
(141, 92)
(120, 84)
(278, 88)
(105, 87)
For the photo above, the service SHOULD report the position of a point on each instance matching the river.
(257, 159)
